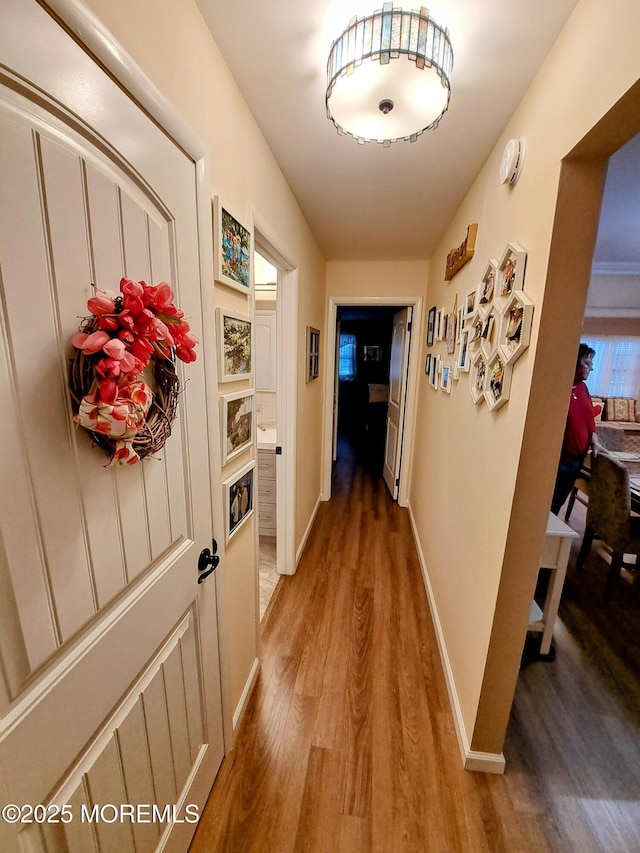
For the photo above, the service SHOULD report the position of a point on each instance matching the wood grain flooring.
(347, 744)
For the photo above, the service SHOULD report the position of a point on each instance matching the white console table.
(555, 556)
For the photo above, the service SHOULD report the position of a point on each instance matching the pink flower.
(90, 344)
(101, 304)
(131, 288)
(115, 348)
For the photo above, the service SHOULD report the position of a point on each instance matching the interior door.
(109, 670)
(395, 409)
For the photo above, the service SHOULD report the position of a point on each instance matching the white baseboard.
(251, 680)
(485, 762)
(307, 531)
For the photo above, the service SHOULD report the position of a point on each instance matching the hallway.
(348, 741)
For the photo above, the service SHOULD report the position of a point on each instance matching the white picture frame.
(511, 270)
(239, 499)
(238, 423)
(235, 346)
(464, 352)
(435, 372)
(498, 382)
(515, 326)
(490, 331)
(477, 377)
(233, 249)
(446, 378)
(487, 288)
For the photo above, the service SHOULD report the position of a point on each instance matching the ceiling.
(367, 202)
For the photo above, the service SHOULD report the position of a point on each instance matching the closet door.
(109, 669)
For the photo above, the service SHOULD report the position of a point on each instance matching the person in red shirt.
(580, 430)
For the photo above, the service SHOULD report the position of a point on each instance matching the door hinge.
(278, 451)
(409, 325)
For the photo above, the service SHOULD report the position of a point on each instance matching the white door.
(109, 670)
(395, 408)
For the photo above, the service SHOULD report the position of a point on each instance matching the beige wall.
(376, 278)
(173, 47)
(482, 481)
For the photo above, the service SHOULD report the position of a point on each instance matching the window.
(616, 367)
(347, 360)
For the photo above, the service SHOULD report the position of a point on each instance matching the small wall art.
(487, 287)
(511, 268)
(446, 378)
(238, 423)
(313, 353)
(489, 333)
(515, 326)
(431, 325)
(478, 377)
(470, 303)
(238, 499)
(235, 346)
(372, 353)
(434, 374)
(497, 382)
(464, 353)
(233, 250)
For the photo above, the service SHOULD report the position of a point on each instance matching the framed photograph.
(452, 320)
(515, 326)
(427, 365)
(438, 330)
(487, 287)
(510, 274)
(470, 303)
(475, 326)
(434, 373)
(498, 382)
(238, 423)
(372, 353)
(446, 378)
(313, 353)
(459, 323)
(478, 377)
(238, 499)
(235, 359)
(489, 335)
(233, 251)
(464, 360)
(431, 326)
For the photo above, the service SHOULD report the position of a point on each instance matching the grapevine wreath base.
(129, 341)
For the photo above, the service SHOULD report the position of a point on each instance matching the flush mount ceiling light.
(388, 76)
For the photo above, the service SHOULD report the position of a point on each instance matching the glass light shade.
(388, 76)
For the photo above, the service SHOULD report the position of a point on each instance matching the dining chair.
(579, 491)
(609, 516)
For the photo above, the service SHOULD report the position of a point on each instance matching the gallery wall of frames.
(480, 337)
(233, 257)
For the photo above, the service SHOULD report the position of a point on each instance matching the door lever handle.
(206, 560)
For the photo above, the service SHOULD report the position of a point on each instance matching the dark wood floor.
(348, 744)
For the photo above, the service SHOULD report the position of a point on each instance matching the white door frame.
(101, 44)
(287, 389)
(411, 397)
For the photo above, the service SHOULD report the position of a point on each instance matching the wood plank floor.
(348, 746)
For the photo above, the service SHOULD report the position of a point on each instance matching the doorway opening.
(360, 344)
(276, 396)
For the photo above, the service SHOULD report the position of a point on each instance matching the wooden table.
(555, 556)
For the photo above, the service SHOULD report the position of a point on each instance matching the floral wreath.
(137, 331)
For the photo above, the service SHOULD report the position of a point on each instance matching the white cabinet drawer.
(266, 464)
(266, 491)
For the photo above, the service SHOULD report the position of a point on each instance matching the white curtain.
(347, 360)
(616, 367)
